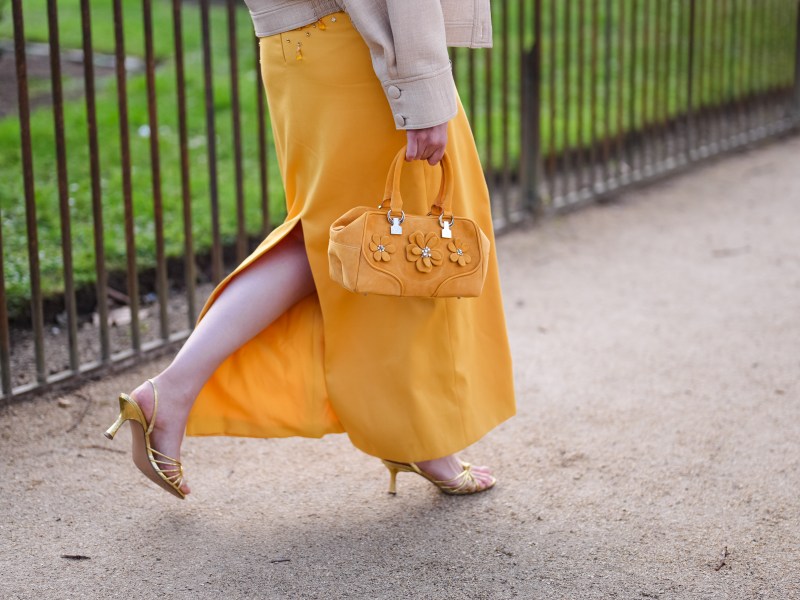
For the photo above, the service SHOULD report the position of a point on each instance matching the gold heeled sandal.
(158, 467)
(460, 485)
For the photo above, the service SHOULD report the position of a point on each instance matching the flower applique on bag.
(387, 252)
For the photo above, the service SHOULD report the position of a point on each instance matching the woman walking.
(280, 349)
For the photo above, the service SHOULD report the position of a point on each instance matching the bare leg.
(248, 304)
(278, 280)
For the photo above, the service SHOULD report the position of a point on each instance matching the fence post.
(531, 138)
(796, 98)
(690, 134)
(26, 152)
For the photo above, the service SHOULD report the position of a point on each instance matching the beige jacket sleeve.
(407, 42)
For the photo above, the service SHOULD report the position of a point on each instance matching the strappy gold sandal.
(460, 485)
(160, 468)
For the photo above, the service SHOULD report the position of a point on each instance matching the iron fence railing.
(625, 91)
(134, 144)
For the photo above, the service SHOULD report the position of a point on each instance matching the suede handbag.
(387, 252)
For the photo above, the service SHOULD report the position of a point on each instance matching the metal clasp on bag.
(395, 221)
(446, 233)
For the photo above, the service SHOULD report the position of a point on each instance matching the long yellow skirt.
(407, 379)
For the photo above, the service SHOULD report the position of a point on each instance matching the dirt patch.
(56, 339)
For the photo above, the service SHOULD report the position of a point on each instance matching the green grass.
(11, 190)
(745, 71)
(569, 127)
(102, 13)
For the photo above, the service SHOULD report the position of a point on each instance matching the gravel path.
(656, 453)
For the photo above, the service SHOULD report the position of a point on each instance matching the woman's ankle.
(441, 467)
(173, 387)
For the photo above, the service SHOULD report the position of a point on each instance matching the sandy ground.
(656, 453)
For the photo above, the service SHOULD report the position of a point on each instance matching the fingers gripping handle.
(442, 205)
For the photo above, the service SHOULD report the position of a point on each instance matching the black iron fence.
(580, 98)
(135, 165)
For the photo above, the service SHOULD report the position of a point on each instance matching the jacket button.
(399, 120)
(393, 91)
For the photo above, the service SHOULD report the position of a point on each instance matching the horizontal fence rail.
(135, 145)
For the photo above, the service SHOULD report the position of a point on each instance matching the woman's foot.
(448, 468)
(171, 416)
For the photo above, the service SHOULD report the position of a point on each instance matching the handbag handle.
(442, 205)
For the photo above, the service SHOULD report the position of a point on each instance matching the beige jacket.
(407, 40)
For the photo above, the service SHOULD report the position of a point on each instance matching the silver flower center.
(381, 247)
(459, 252)
(426, 251)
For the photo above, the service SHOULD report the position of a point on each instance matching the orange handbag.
(387, 252)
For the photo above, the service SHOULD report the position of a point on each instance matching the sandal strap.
(155, 408)
(173, 473)
(461, 481)
(165, 457)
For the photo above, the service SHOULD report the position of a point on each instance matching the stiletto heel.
(158, 467)
(128, 411)
(112, 431)
(392, 479)
(462, 484)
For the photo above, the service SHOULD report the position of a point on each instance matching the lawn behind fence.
(748, 72)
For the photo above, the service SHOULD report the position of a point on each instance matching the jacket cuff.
(422, 101)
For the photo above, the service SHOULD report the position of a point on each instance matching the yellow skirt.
(407, 379)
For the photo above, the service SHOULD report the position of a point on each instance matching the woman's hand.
(426, 144)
